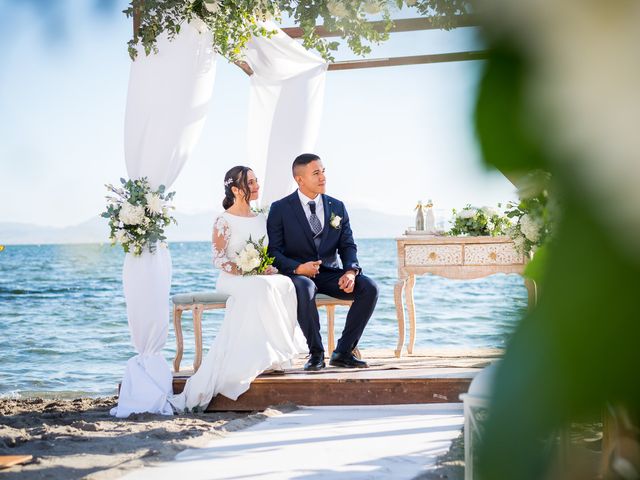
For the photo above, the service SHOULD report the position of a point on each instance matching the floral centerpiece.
(474, 222)
(532, 216)
(138, 215)
(253, 259)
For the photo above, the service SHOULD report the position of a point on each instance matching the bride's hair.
(236, 177)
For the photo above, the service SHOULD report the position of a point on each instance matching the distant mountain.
(197, 227)
(94, 230)
(367, 223)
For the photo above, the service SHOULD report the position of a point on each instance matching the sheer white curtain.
(285, 108)
(167, 103)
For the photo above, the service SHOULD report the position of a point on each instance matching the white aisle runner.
(354, 442)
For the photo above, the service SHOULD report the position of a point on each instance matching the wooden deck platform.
(426, 376)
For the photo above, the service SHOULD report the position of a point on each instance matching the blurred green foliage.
(578, 349)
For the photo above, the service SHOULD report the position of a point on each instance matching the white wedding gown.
(260, 328)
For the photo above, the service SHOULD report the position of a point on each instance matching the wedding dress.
(260, 329)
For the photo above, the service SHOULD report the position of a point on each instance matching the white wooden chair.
(198, 302)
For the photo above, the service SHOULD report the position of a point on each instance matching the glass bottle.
(419, 217)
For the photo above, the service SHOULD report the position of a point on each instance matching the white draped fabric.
(285, 107)
(167, 102)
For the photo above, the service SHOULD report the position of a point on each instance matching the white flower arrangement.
(248, 258)
(533, 215)
(337, 9)
(530, 227)
(212, 6)
(335, 220)
(530, 230)
(467, 213)
(138, 215)
(131, 214)
(372, 7)
(253, 259)
(475, 221)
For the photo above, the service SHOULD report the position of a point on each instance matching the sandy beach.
(78, 438)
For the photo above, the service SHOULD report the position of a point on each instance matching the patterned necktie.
(314, 221)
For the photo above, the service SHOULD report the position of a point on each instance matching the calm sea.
(65, 330)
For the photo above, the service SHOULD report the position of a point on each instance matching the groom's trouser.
(364, 296)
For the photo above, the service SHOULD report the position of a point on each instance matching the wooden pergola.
(400, 25)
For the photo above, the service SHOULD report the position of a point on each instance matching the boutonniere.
(335, 220)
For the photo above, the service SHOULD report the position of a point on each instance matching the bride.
(260, 329)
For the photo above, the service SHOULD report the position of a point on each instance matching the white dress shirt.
(319, 206)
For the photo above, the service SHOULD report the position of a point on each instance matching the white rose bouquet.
(138, 215)
(475, 222)
(253, 259)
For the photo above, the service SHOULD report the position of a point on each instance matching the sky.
(389, 136)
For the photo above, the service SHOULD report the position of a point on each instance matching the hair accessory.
(228, 182)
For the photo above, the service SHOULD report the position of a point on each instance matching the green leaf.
(535, 269)
(501, 116)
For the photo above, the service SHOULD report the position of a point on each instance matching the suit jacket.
(291, 239)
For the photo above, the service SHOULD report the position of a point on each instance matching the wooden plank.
(136, 18)
(408, 60)
(7, 461)
(323, 391)
(430, 375)
(244, 66)
(399, 25)
(394, 61)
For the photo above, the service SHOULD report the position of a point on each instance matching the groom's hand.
(347, 282)
(308, 269)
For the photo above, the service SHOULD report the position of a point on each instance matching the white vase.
(429, 220)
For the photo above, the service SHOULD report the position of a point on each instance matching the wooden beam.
(136, 19)
(411, 60)
(244, 66)
(394, 61)
(400, 25)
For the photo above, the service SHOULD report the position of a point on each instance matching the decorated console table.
(450, 257)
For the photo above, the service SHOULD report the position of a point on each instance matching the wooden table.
(450, 257)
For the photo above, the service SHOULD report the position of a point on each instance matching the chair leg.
(177, 325)
(197, 333)
(532, 293)
(331, 317)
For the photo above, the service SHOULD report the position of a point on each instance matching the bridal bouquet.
(137, 215)
(475, 222)
(253, 259)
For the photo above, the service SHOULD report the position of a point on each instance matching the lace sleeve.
(221, 234)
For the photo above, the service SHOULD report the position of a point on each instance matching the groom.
(307, 231)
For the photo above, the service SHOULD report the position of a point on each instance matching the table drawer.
(427, 255)
(492, 254)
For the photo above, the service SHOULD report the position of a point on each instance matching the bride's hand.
(271, 270)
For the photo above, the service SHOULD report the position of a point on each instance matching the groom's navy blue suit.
(291, 242)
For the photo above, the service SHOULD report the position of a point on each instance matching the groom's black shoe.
(346, 360)
(316, 362)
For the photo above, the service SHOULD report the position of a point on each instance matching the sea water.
(64, 322)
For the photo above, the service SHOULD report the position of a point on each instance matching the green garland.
(234, 22)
